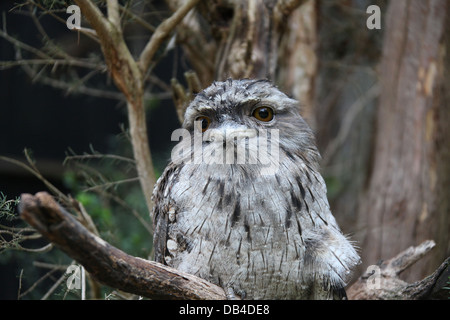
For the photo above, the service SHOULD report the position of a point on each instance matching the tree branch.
(119, 60)
(383, 282)
(96, 19)
(130, 80)
(113, 12)
(162, 32)
(128, 75)
(106, 263)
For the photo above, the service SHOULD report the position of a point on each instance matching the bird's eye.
(263, 114)
(204, 122)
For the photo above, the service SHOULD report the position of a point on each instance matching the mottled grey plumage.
(260, 235)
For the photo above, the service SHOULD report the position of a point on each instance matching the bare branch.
(133, 211)
(31, 168)
(99, 156)
(113, 12)
(162, 32)
(88, 32)
(112, 184)
(137, 18)
(106, 263)
(24, 46)
(48, 274)
(383, 283)
(52, 61)
(45, 248)
(181, 96)
(97, 20)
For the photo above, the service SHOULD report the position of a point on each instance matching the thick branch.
(106, 263)
(113, 12)
(382, 282)
(120, 62)
(95, 18)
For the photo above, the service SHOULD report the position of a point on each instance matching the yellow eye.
(263, 114)
(204, 122)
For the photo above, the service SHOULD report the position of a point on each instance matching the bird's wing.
(162, 203)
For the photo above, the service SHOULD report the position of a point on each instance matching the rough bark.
(106, 263)
(247, 35)
(407, 197)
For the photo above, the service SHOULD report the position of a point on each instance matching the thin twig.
(35, 284)
(54, 286)
(24, 46)
(52, 61)
(46, 265)
(86, 31)
(162, 32)
(346, 125)
(34, 171)
(43, 249)
(99, 156)
(111, 184)
(47, 40)
(126, 206)
(68, 87)
(137, 18)
(20, 284)
(49, 185)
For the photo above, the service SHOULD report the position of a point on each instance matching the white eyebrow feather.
(203, 108)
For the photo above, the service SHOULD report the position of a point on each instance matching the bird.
(242, 203)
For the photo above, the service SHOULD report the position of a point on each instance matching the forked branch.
(382, 282)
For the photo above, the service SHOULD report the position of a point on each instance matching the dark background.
(48, 121)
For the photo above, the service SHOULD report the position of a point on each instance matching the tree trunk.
(271, 39)
(407, 199)
(297, 58)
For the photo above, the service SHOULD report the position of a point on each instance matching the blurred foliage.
(7, 207)
(107, 187)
